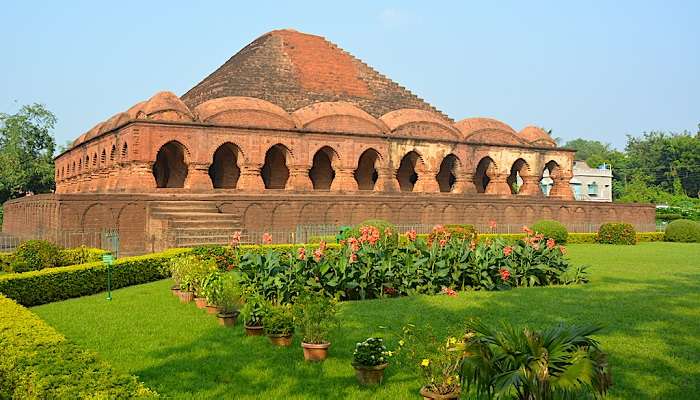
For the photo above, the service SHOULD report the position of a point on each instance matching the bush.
(683, 230)
(616, 233)
(314, 315)
(53, 284)
(581, 238)
(278, 320)
(384, 227)
(36, 362)
(34, 255)
(551, 230)
(79, 255)
(5, 261)
(370, 352)
(224, 256)
(650, 236)
(322, 238)
(669, 217)
(462, 231)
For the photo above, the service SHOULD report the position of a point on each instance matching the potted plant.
(439, 361)
(370, 359)
(253, 311)
(228, 300)
(175, 267)
(211, 291)
(314, 314)
(278, 324)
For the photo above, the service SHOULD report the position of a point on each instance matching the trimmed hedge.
(551, 230)
(64, 257)
(650, 237)
(37, 362)
(54, 284)
(683, 230)
(617, 233)
(322, 238)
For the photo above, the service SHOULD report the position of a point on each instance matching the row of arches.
(77, 166)
(170, 170)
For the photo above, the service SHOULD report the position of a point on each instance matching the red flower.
(550, 243)
(505, 274)
(318, 254)
(449, 292)
(492, 224)
(443, 242)
(507, 250)
(411, 235)
(390, 291)
(302, 253)
(527, 230)
(354, 244)
(266, 238)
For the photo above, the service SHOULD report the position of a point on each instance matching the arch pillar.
(427, 182)
(386, 181)
(140, 177)
(464, 184)
(250, 178)
(299, 178)
(198, 176)
(561, 189)
(344, 180)
(531, 186)
(498, 185)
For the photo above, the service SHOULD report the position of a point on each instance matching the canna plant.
(562, 362)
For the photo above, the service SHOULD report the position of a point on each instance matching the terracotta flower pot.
(212, 309)
(186, 297)
(253, 330)
(429, 394)
(175, 290)
(370, 375)
(200, 302)
(227, 319)
(315, 352)
(280, 340)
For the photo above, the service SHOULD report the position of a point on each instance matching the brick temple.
(292, 130)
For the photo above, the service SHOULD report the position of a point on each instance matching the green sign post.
(108, 260)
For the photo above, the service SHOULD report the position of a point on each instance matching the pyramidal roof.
(294, 69)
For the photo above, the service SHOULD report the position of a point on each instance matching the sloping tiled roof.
(293, 70)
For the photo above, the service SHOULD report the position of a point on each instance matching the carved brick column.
(427, 182)
(531, 186)
(250, 178)
(344, 180)
(198, 176)
(561, 188)
(498, 185)
(464, 184)
(299, 178)
(139, 178)
(386, 181)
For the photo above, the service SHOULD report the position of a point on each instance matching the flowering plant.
(370, 352)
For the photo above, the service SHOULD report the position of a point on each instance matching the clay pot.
(175, 290)
(370, 375)
(315, 352)
(280, 340)
(227, 319)
(186, 297)
(212, 309)
(253, 330)
(200, 302)
(428, 394)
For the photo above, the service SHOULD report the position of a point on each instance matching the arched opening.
(125, 151)
(73, 168)
(275, 172)
(87, 163)
(514, 180)
(224, 171)
(447, 176)
(94, 160)
(80, 165)
(321, 172)
(366, 173)
(170, 169)
(481, 176)
(407, 175)
(113, 153)
(103, 157)
(549, 174)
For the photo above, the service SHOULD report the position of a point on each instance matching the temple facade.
(293, 131)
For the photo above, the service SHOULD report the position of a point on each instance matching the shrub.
(34, 255)
(5, 261)
(551, 230)
(370, 352)
(683, 230)
(462, 231)
(669, 217)
(253, 309)
(278, 320)
(616, 233)
(53, 284)
(322, 238)
(36, 362)
(229, 298)
(224, 256)
(314, 315)
(387, 230)
(650, 236)
(79, 255)
(581, 238)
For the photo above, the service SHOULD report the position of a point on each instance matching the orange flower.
(449, 292)
(236, 239)
(318, 254)
(550, 243)
(411, 235)
(266, 238)
(507, 250)
(302, 253)
(492, 224)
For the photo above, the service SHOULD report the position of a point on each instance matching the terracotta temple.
(291, 131)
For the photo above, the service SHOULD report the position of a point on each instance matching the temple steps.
(194, 223)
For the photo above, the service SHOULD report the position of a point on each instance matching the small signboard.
(107, 258)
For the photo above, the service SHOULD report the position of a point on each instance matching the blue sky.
(598, 70)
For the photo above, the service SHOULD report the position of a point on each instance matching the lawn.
(647, 297)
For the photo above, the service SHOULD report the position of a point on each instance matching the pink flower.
(266, 238)
(550, 243)
(449, 292)
(352, 258)
(507, 250)
(411, 235)
(318, 254)
(492, 224)
(302, 253)
(562, 249)
(390, 291)
(236, 239)
(443, 242)
(354, 244)
(505, 274)
(527, 230)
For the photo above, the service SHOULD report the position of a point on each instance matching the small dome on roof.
(537, 136)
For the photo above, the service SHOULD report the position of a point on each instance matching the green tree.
(26, 152)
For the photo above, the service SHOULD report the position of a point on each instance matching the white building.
(588, 184)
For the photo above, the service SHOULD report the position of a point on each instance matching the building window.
(576, 189)
(593, 189)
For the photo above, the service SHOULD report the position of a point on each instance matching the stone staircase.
(194, 223)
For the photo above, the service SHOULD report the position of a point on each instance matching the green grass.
(647, 297)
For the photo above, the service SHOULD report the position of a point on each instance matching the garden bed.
(647, 296)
